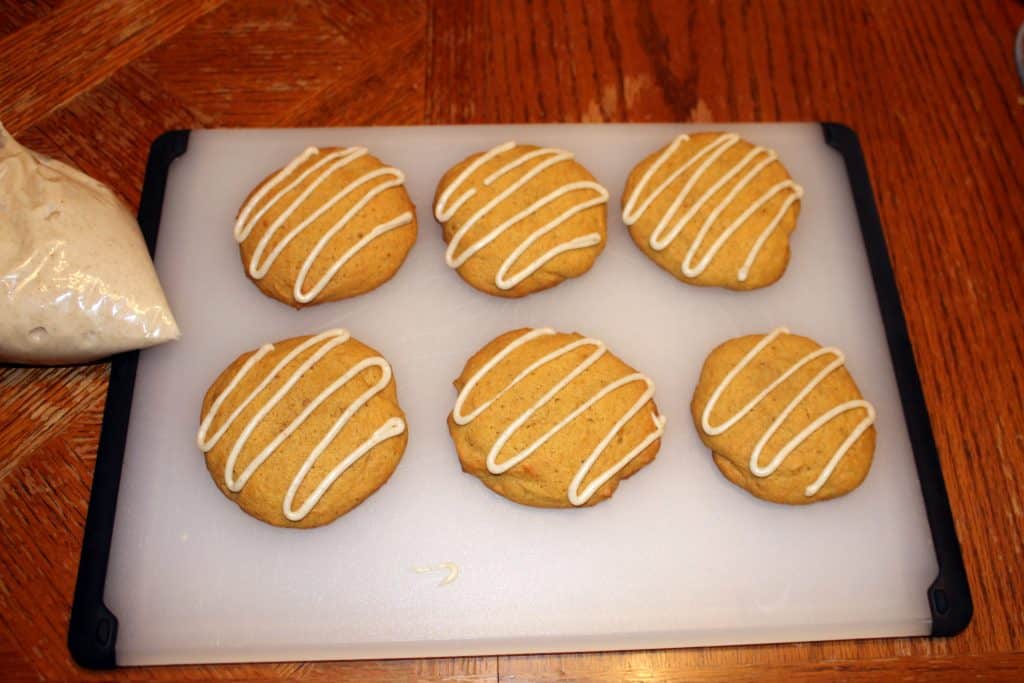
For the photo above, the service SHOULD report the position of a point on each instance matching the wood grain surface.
(930, 87)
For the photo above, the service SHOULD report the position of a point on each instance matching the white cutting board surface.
(678, 556)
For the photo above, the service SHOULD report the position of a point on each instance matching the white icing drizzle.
(327, 341)
(450, 567)
(763, 471)
(758, 158)
(550, 157)
(575, 496)
(323, 168)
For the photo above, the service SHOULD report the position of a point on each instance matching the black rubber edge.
(949, 596)
(92, 630)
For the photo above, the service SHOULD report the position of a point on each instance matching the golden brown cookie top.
(333, 223)
(521, 218)
(785, 416)
(556, 414)
(713, 209)
(301, 431)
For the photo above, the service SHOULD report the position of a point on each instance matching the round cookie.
(713, 209)
(519, 219)
(784, 418)
(332, 224)
(553, 420)
(316, 425)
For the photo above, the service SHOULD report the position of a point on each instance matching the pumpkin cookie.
(520, 218)
(553, 420)
(300, 432)
(332, 224)
(713, 209)
(784, 419)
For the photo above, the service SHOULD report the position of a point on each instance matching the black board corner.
(91, 637)
(950, 599)
(839, 135)
(949, 596)
(92, 628)
(174, 141)
(164, 149)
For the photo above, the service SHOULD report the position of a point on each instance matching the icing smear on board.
(450, 567)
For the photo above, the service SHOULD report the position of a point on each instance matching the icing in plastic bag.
(76, 280)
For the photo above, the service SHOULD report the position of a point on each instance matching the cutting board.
(677, 557)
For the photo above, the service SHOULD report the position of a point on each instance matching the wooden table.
(930, 87)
